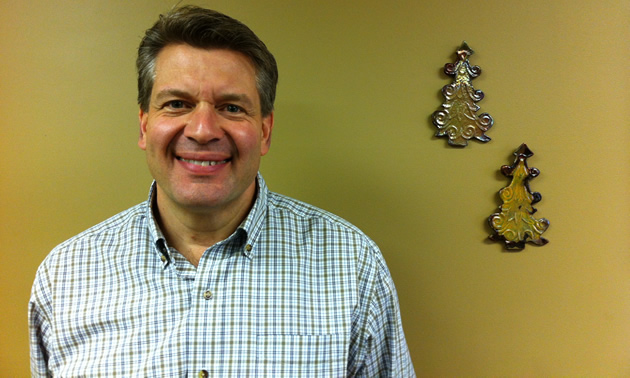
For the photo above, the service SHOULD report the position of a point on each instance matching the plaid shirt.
(294, 291)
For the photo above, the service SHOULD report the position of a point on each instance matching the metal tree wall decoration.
(458, 118)
(514, 224)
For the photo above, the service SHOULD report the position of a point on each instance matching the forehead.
(185, 65)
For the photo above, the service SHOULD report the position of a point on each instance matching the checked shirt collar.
(250, 227)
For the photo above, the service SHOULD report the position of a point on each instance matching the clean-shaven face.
(204, 133)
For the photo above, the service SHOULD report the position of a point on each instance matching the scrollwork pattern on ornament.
(457, 120)
(514, 224)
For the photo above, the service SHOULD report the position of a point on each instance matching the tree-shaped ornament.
(514, 224)
(458, 118)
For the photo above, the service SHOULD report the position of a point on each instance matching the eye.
(175, 104)
(231, 108)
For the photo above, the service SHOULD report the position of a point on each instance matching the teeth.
(203, 163)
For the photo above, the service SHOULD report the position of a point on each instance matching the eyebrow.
(243, 99)
(170, 92)
(236, 97)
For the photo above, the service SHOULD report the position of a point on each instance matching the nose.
(203, 125)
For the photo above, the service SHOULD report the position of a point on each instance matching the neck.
(193, 232)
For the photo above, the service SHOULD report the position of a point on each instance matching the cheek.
(247, 140)
(159, 136)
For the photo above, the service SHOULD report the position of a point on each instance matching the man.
(214, 274)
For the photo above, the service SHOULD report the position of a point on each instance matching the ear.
(267, 128)
(142, 139)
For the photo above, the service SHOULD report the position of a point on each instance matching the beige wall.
(359, 81)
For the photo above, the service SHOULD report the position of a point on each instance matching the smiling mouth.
(203, 163)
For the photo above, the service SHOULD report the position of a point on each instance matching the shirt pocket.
(301, 355)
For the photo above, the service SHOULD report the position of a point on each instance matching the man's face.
(204, 133)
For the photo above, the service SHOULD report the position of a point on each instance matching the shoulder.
(83, 259)
(123, 222)
(117, 229)
(284, 207)
(312, 224)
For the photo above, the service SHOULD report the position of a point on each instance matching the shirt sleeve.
(383, 350)
(38, 326)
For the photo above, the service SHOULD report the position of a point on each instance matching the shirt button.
(163, 258)
(207, 295)
(248, 247)
(203, 374)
